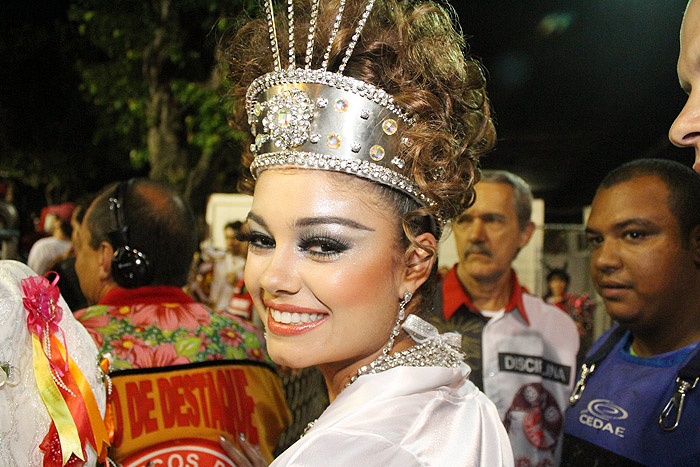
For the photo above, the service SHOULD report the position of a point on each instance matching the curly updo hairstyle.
(414, 51)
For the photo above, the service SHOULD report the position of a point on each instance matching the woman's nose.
(280, 273)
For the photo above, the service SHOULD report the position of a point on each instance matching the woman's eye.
(258, 240)
(324, 247)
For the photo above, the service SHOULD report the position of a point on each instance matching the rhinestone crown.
(318, 119)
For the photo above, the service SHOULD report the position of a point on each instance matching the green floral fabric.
(165, 334)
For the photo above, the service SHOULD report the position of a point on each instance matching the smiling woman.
(325, 270)
(367, 132)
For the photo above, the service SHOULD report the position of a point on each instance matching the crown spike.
(273, 35)
(356, 36)
(336, 27)
(292, 49)
(312, 34)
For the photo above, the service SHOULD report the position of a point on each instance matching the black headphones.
(130, 267)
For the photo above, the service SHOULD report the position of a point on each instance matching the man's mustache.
(478, 249)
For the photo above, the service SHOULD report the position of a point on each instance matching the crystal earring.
(399, 320)
(378, 362)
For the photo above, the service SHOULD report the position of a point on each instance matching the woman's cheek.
(251, 276)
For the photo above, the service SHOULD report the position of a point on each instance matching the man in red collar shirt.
(522, 351)
(183, 374)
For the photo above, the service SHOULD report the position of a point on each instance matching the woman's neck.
(338, 375)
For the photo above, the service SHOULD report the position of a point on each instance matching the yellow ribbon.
(99, 430)
(57, 407)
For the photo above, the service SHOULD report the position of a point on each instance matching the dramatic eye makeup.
(256, 239)
(322, 238)
(322, 244)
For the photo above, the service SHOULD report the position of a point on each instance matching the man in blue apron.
(637, 400)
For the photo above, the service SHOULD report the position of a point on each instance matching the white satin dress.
(406, 417)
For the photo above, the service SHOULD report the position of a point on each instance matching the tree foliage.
(149, 68)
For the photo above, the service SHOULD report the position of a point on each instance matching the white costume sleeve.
(405, 417)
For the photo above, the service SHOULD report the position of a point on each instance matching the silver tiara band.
(334, 118)
(364, 169)
(334, 80)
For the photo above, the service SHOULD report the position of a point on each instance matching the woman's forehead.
(294, 193)
(314, 185)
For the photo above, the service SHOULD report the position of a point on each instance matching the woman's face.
(557, 286)
(324, 267)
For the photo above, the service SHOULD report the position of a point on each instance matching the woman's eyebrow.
(309, 221)
(257, 219)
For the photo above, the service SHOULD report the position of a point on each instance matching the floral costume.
(182, 370)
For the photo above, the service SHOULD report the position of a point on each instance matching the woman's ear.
(419, 261)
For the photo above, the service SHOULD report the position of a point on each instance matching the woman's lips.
(289, 320)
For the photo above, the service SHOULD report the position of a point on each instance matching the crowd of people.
(324, 333)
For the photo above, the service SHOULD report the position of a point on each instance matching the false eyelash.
(338, 245)
(244, 236)
(257, 240)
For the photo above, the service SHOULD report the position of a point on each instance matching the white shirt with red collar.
(529, 364)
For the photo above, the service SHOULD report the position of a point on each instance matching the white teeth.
(294, 318)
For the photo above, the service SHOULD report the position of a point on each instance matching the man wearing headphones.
(180, 371)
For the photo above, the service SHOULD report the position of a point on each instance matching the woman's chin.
(284, 359)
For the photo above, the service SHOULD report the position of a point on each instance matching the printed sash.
(176, 414)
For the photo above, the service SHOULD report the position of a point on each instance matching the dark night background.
(578, 87)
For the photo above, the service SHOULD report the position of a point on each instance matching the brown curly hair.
(414, 51)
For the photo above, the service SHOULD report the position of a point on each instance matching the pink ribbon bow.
(41, 301)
